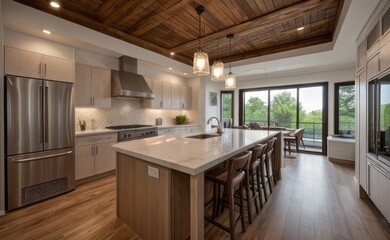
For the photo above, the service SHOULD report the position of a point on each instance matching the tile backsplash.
(125, 111)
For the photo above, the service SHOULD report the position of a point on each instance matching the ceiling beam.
(297, 10)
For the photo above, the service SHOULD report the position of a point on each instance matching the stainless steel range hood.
(126, 83)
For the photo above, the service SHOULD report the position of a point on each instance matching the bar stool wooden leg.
(259, 186)
(262, 172)
(267, 160)
(256, 192)
(242, 209)
(248, 198)
(231, 214)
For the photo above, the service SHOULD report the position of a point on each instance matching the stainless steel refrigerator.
(40, 140)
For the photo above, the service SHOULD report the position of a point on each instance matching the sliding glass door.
(290, 107)
(311, 117)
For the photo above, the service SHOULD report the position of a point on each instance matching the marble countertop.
(192, 156)
(105, 130)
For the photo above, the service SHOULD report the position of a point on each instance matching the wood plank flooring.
(315, 199)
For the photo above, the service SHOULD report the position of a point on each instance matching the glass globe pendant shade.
(217, 71)
(201, 63)
(230, 81)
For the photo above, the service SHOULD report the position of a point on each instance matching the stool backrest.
(271, 144)
(257, 153)
(237, 164)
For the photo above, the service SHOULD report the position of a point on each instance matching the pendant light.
(201, 59)
(230, 80)
(217, 68)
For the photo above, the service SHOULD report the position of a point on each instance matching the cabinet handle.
(93, 150)
(95, 139)
(182, 105)
(40, 68)
(161, 104)
(91, 101)
(97, 150)
(45, 69)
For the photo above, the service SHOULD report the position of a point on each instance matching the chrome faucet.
(219, 129)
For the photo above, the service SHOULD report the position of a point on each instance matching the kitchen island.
(160, 180)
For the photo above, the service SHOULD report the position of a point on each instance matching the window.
(291, 107)
(227, 100)
(344, 113)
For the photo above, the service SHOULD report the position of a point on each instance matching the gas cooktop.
(131, 126)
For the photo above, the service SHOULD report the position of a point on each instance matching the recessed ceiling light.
(46, 31)
(170, 68)
(185, 73)
(54, 4)
(172, 53)
(300, 29)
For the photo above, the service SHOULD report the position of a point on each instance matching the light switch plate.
(153, 172)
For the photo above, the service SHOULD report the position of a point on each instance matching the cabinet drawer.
(96, 139)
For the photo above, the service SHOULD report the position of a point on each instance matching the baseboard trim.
(341, 161)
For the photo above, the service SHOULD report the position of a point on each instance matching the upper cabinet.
(185, 97)
(373, 41)
(92, 87)
(29, 64)
(361, 55)
(168, 95)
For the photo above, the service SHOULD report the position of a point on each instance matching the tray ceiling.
(261, 27)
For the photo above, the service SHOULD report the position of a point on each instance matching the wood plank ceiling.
(261, 27)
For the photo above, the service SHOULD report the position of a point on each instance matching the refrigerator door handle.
(40, 111)
(42, 157)
(46, 114)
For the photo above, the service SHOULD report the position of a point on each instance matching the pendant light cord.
(200, 31)
(230, 53)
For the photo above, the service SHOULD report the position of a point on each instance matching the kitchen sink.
(203, 136)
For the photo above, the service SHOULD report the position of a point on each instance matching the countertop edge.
(188, 170)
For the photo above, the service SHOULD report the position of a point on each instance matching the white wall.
(2, 179)
(330, 76)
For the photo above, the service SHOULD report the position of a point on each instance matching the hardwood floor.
(315, 199)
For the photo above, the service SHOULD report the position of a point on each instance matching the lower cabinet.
(94, 155)
(379, 189)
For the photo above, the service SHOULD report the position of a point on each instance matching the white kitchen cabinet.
(185, 97)
(379, 190)
(85, 161)
(162, 95)
(92, 87)
(373, 66)
(361, 55)
(29, 64)
(166, 95)
(374, 184)
(362, 130)
(385, 57)
(176, 96)
(94, 155)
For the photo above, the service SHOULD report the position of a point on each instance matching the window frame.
(336, 119)
(231, 92)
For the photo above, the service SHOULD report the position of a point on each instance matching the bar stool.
(263, 172)
(268, 159)
(253, 180)
(230, 179)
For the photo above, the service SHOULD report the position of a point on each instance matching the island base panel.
(153, 208)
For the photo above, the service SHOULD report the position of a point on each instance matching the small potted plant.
(181, 119)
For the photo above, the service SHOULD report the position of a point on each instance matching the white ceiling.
(338, 54)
